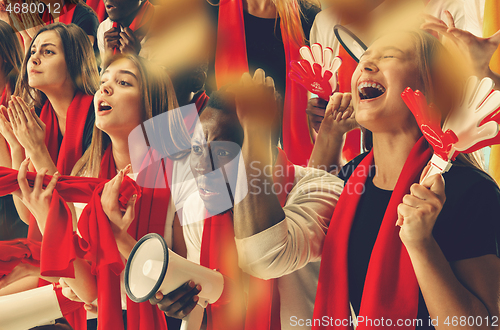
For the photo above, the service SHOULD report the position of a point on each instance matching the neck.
(390, 153)
(260, 8)
(120, 151)
(60, 101)
(129, 19)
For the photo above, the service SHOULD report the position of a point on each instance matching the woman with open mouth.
(398, 253)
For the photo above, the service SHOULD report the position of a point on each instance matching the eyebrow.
(44, 45)
(368, 52)
(130, 73)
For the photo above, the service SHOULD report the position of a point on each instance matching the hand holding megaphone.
(152, 267)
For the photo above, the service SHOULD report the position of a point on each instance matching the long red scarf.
(218, 251)
(231, 62)
(352, 144)
(391, 288)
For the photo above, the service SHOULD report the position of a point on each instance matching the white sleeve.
(298, 239)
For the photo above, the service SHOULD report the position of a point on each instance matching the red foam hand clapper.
(317, 71)
(475, 121)
(429, 121)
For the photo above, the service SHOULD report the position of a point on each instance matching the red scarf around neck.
(218, 251)
(391, 289)
(231, 62)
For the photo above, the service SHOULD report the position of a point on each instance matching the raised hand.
(26, 125)
(120, 218)
(419, 210)
(468, 119)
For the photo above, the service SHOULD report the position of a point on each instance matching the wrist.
(422, 246)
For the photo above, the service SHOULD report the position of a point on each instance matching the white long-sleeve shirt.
(290, 250)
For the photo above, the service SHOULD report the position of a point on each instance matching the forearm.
(22, 210)
(444, 295)
(24, 284)
(260, 209)
(84, 284)
(41, 159)
(327, 152)
(125, 243)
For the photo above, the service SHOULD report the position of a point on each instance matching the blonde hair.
(157, 95)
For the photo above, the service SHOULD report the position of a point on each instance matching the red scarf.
(190, 119)
(352, 144)
(218, 251)
(391, 288)
(5, 96)
(99, 8)
(141, 22)
(231, 62)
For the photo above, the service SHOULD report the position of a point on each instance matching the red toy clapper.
(470, 127)
(317, 70)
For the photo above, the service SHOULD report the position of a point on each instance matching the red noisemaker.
(471, 126)
(317, 71)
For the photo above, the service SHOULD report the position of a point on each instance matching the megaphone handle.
(194, 319)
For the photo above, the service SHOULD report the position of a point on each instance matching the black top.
(87, 19)
(467, 226)
(265, 47)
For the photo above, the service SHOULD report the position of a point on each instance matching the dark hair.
(80, 61)
(10, 53)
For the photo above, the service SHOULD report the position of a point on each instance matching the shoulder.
(105, 26)
(314, 184)
(346, 170)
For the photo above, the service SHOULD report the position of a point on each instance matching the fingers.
(37, 187)
(18, 107)
(52, 184)
(90, 308)
(449, 19)
(129, 215)
(21, 177)
(179, 302)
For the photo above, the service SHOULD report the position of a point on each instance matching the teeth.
(104, 104)
(370, 84)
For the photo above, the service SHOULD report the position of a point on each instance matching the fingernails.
(158, 295)
(134, 197)
(191, 284)
(196, 298)
(57, 173)
(198, 287)
(87, 307)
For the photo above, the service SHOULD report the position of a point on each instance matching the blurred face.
(118, 103)
(119, 9)
(214, 161)
(47, 69)
(384, 71)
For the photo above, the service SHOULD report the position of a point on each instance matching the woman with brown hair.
(50, 114)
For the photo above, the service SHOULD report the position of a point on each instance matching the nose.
(205, 164)
(35, 59)
(106, 89)
(368, 65)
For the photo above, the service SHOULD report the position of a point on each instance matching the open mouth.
(207, 192)
(370, 90)
(104, 107)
